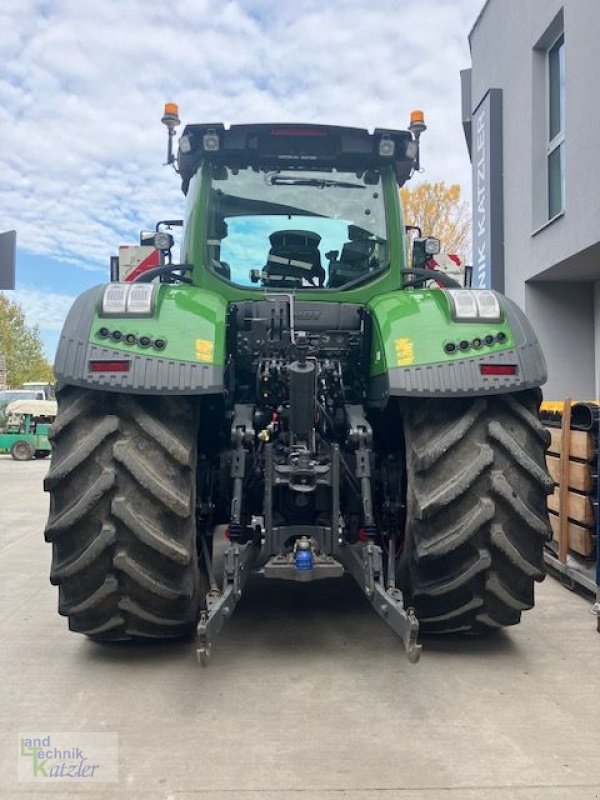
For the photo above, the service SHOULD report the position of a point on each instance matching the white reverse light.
(128, 299)
(487, 305)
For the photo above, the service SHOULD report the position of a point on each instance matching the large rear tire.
(476, 510)
(122, 514)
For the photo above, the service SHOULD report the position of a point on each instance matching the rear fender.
(179, 349)
(411, 331)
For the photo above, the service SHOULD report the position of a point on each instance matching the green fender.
(179, 349)
(412, 332)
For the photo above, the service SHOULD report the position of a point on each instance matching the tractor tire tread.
(122, 514)
(476, 510)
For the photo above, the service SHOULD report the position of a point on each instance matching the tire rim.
(22, 451)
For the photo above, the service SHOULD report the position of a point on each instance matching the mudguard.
(413, 331)
(179, 349)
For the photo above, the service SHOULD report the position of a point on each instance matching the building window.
(556, 127)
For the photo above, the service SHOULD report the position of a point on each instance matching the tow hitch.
(362, 560)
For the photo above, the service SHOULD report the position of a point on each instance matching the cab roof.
(293, 146)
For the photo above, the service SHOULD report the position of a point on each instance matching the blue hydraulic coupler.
(304, 556)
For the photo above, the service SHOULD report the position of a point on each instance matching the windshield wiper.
(320, 183)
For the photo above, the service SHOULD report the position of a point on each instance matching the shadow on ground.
(314, 617)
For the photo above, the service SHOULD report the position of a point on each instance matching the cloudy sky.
(82, 88)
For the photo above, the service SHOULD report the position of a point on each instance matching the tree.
(21, 346)
(439, 211)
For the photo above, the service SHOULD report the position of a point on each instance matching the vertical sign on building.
(488, 212)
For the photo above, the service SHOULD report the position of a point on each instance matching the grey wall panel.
(563, 318)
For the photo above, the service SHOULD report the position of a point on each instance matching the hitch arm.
(364, 562)
(219, 607)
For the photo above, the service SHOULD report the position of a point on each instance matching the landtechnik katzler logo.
(68, 756)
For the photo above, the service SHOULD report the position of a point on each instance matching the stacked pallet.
(572, 461)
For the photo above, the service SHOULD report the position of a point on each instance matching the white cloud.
(47, 310)
(83, 85)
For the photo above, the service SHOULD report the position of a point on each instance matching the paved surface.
(308, 695)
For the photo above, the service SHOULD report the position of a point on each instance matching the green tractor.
(294, 399)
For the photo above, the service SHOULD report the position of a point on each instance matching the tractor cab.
(298, 208)
(295, 207)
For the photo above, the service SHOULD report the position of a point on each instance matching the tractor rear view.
(293, 381)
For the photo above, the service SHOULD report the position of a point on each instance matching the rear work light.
(474, 304)
(498, 369)
(109, 366)
(114, 299)
(140, 298)
(210, 141)
(128, 299)
(387, 146)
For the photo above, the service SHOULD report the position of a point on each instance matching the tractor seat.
(294, 260)
(355, 258)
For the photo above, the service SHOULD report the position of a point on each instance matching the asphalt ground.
(308, 694)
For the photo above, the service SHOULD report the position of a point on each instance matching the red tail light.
(498, 369)
(109, 366)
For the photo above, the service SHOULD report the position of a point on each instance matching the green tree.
(439, 211)
(21, 346)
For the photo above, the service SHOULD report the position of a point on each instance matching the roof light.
(498, 369)
(210, 140)
(412, 148)
(185, 144)
(387, 146)
(109, 366)
(488, 306)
